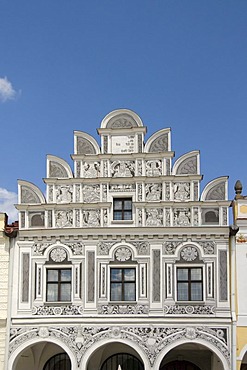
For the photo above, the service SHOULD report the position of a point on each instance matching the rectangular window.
(189, 284)
(58, 285)
(122, 209)
(123, 284)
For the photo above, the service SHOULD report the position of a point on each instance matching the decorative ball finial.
(238, 189)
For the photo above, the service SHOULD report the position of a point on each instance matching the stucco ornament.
(182, 191)
(153, 168)
(64, 218)
(43, 332)
(189, 253)
(123, 254)
(58, 255)
(154, 217)
(153, 192)
(190, 333)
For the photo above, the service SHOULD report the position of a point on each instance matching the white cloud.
(7, 92)
(7, 201)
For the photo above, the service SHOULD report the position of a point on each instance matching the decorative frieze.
(189, 310)
(129, 309)
(151, 339)
(45, 310)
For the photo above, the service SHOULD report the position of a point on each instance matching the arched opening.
(180, 365)
(124, 360)
(110, 355)
(42, 355)
(60, 361)
(191, 356)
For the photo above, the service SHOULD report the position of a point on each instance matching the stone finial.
(238, 189)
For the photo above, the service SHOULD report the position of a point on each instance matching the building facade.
(239, 277)
(125, 262)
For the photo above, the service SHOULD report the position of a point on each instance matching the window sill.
(127, 222)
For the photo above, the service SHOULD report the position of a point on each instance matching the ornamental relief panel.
(154, 168)
(77, 248)
(153, 192)
(91, 193)
(169, 248)
(151, 339)
(189, 310)
(122, 187)
(28, 195)
(123, 254)
(182, 217)
(64, 218)
(181, 191)
(91, 218)
(84, 146)
(91, 169)
(154, 217)
(64, 193)
(160, 144)
(122, 168)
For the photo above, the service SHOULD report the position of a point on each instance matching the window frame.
(123, 210)
(190, 282)
(58, 283)
(123, 282)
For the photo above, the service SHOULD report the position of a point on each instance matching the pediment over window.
(58, 168)
(29, 193)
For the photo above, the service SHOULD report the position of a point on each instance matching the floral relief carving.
(57, 310)
(142, 247)
(170, 247)
(77, 248)
(58, 254)
(151, 339)
(189, 253)
(123, 254)
(189, 310)
(123, 309)
(39, 248)
(104, 248)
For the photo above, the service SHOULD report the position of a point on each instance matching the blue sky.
(65, 64)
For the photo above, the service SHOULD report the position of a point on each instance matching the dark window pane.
(129, 291)
(183, 292)
(52, 292)
(196, 274)
(116, 275)
(182, 274)
(129, 274)
(52, 275)
(196, 291)
(116, 291)
(65, 292)
(66, 275)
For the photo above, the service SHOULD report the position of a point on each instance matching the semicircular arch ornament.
(189, 253)
(58, 254)
(123, 254)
